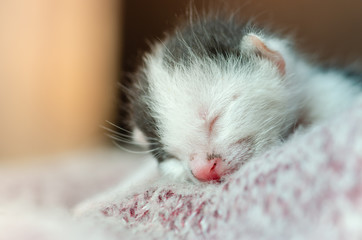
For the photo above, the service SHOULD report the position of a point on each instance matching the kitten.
(218, 92)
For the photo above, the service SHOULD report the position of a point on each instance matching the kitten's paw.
(174, 169)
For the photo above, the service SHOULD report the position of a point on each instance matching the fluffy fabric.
(308, 188)
(66, 180)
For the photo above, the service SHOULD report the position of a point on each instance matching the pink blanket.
(308, 188)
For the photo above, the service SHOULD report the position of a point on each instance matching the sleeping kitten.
(218, 92)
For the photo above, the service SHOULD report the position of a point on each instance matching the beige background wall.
(58, 68)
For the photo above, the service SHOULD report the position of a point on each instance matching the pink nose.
(207, 170)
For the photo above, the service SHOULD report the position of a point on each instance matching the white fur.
(328, 95)
(139, 137)
(254, 100)
(175, 169)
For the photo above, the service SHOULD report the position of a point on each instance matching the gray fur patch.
(211, 37)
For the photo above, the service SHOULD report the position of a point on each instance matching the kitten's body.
(218, 92)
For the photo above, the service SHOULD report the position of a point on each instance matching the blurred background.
(60, 59)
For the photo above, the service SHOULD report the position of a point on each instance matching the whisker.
(125, 130)
(125, 140)
(120, 128)
(125, 137)
(135, 152)
(115, 132)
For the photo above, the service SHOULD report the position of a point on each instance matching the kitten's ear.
(253, 43)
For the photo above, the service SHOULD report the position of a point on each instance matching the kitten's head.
(213, 113)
